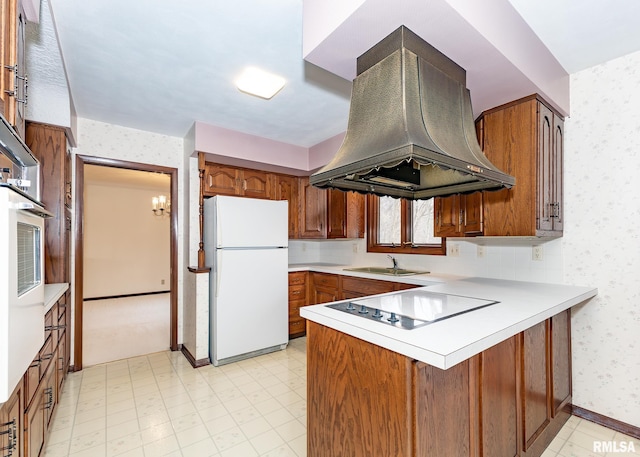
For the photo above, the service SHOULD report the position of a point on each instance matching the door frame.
(80, 162)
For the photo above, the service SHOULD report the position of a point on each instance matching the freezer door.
(250, 222)
(249, 302)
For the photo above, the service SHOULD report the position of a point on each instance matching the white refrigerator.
(246, 246)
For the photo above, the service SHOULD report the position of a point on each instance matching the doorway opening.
(103, 289)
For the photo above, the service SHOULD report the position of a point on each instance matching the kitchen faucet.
(395, 262)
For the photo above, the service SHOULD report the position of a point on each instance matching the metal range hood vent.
(411, 132)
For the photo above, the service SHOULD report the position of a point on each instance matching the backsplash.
(502, 261)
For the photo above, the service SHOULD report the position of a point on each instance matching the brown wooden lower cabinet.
(298, 297)
(11, 424)
(359, 287)
(26, 417)
(363, 400)
(313, 288)
(325, 288)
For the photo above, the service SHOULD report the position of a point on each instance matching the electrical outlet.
(355, 248)
(162, 281)
(454, 250)
(537, 253)
(304, 247)
(480, 251)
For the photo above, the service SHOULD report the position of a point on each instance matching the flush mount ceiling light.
(260, 83)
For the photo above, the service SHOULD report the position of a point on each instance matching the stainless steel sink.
(387, 271)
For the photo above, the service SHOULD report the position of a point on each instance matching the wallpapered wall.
(601, 240)
(98, 139)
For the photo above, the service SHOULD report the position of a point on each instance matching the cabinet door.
(535, 401)
(498, 400)
(221, 180)
(313, 210)
(12, 88)
(325, 288)
(50, 390)
(49, 145)
(561, 360)
(558, 173)
(336, 214)
(11, 420)
(67, 180)
(471, 206)
(256, 184)
(287, 189)
(447, 216)
(34, 424)
(61, 364)
(545, 168)
(20, 84)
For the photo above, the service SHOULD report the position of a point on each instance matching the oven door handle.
(34, 209)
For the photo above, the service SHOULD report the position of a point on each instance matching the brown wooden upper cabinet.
(49, 145)
(458, 215)
(13, 82)
(313, 213)
(244, 182)
(523, 138)
(287, 189)
(313, 210)
(330, 213)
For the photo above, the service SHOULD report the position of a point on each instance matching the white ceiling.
(160, 65)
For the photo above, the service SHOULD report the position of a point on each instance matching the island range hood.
(411, 131)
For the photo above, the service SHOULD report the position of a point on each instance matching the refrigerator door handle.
(218, 273)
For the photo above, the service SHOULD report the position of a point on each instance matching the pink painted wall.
(236, 148)
(240, 149)
(322, 153)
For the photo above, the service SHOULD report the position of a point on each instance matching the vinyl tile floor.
(157, 404)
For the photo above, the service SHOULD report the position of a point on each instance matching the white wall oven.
(21, 285)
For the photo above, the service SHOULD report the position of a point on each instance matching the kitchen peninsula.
(492, 382)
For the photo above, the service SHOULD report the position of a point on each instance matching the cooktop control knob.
(377, 314)
(350, 306)
(393, 318)
(363, 310)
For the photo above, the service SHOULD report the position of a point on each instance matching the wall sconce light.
(160, 205)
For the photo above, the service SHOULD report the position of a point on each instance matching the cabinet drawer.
(294, 308)
(298, 292)
(31, 380)
(297, 278)
(49, 321)
(62, 306)
(366, 286)
(325, 280)
(297, 326)
(46, 354)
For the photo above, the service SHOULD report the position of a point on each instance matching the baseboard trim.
(140, 294)
(605, 421)
(192, 360)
